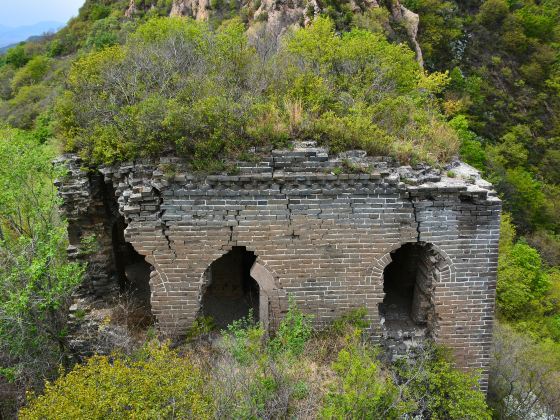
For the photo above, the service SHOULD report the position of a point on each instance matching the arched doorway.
(229, 291)
(408, 308)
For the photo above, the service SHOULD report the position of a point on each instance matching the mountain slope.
(10, 35)
(491, 76)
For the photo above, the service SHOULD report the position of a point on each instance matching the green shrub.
(440, 29)
(437, 390)
(55, 48)
(293, 333)
(525, 198)
(43, 128)
(523, 375)
(159, 385)
(538, 22)
(375, 19)
(301, 390)
(215, 4)
(103, 33)
(6, 75)
(17, 56)
(29, 102)
(262, 17)
(361, 389)
(351, 132)
(200, 327)
(522, 281)
(244, 340)
(355, 319)
(471, 150)
(340, 13)
(33, 72)
(492, 13)
(425, 385)
(98, 11)
(528, 291)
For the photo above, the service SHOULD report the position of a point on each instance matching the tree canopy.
(178, 86)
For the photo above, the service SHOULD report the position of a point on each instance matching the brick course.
(322, 236)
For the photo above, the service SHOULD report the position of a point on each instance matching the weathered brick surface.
(323, 238)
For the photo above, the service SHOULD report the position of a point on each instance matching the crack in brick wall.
(324, 237)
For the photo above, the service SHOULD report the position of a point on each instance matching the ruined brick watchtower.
(416, 248)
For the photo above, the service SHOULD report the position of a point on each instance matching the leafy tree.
(538, 22)
(6, 75)
(525, 197)
(17, 56)
(35, 279)
(25, 106)
(98, 11)
(524, 375)
(492, 13)
(471, 150)
(33, 72)
(340, 12)
(527, 290)
(437, 390)
(103, 33)
(440, 29)
(522, 280)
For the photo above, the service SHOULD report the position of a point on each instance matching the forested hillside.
(123, 80)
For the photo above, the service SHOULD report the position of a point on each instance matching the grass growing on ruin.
(178, 87)
(335, 373)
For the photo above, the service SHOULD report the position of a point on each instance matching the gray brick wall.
(321, 235)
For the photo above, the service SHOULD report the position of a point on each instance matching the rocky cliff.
(273, 17)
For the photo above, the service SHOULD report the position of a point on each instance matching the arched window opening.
(230, 292)
(408, 283)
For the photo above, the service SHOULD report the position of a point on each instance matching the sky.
(28, 12)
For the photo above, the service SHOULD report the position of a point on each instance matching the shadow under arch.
(132, 269)
(234, 284)
(133, 273)
(441, 274)
(409, 284)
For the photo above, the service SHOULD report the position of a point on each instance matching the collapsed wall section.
(89, 206)
(322, 230)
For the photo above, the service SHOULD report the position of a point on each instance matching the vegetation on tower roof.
(177, 86)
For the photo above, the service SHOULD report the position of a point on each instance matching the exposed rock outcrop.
(197, 9)
(273, 17)
(132, 9)
(411, 22)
